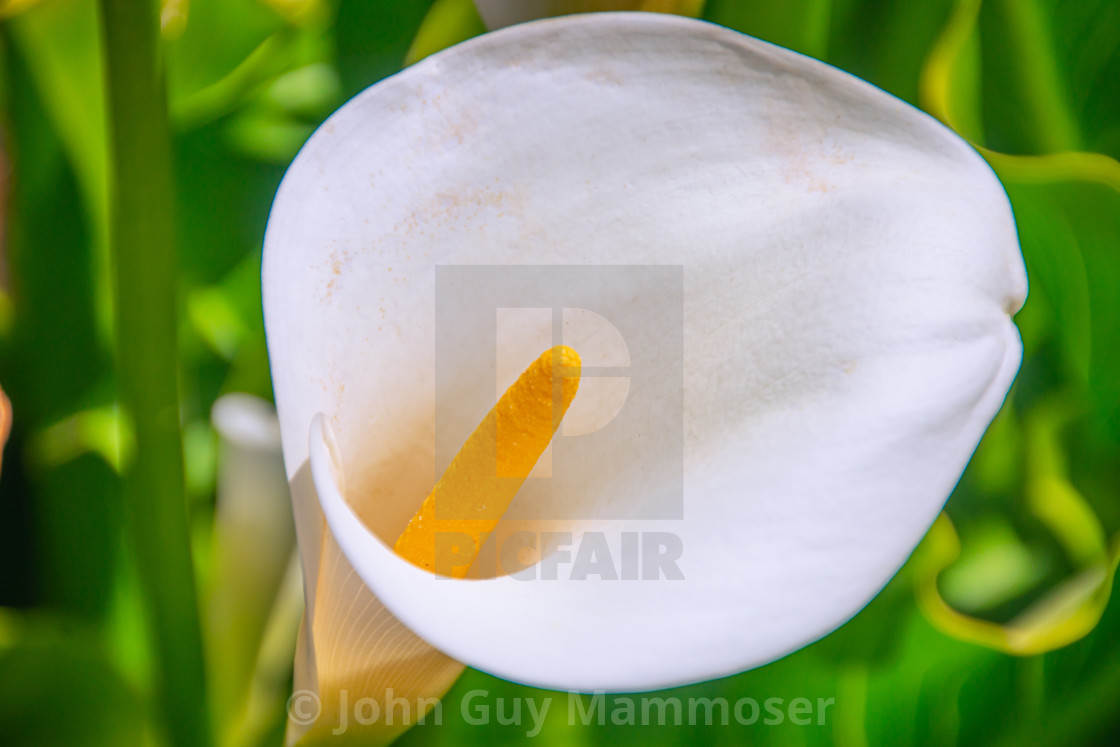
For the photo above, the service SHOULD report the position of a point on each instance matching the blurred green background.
(1000, 629)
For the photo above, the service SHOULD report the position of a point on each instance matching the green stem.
(1028, 34)
(850, 721)
(142, 234)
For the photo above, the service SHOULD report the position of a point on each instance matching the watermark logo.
(653, 710)
(304, 707)
(553, 556)
(619, 452)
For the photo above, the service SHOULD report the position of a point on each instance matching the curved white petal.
(850, 268)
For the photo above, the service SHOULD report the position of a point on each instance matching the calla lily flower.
(850, 269)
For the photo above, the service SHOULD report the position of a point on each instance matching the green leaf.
(219, 36)
(801, 25)
(1070, 235)
(58, 689)
(373, 37)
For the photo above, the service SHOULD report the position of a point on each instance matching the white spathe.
(850, 271)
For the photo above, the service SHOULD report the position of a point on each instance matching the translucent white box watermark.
(624, 434)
